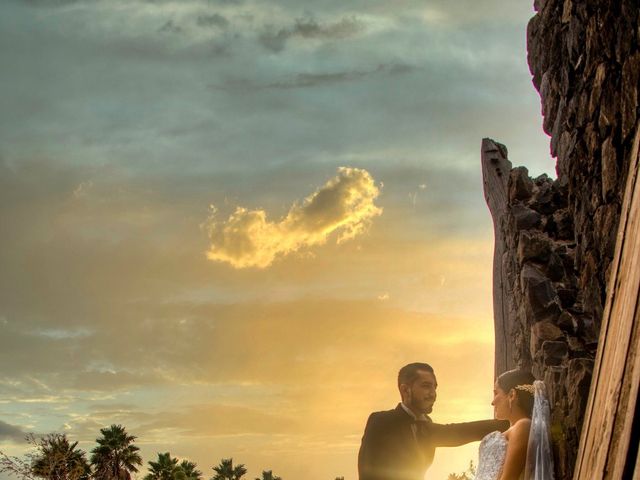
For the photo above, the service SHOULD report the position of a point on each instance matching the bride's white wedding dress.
(539, 465)
(491, 454)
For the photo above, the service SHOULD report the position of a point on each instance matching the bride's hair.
(514, 378)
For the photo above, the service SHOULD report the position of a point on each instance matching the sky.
(226, 224)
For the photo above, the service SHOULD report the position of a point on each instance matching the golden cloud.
(343, 205)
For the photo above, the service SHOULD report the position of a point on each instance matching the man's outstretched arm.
(455, 434)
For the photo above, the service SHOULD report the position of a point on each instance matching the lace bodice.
(491, 454)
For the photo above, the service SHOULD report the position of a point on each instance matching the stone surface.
(577, 347)
(542, 332)
(559, 236)
(525, 218)
(539, 293)
(563, 223)
(520, 185)
(609, 169)
(567, 322)
(555, 268)
(554, 353)
(577, 387)
(567, 297)
(596, 89)
(534, 246)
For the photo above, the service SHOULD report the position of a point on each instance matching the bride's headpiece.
(527, 388)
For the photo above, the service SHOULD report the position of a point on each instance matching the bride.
(524, 447)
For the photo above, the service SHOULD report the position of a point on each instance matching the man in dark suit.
(399, 444)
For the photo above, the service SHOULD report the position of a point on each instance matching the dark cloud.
(309, 80)
(60, 3)
(309, 28)
(215, 20)
(10, 432)
(303, 80)
(274, 41)
(171, 27)
(54, 3)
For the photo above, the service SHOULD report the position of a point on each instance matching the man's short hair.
(409, 373)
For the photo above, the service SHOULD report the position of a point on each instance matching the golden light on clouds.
(344, 206)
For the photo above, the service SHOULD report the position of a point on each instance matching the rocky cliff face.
(586, 65)
(555, 238)
(543, 322)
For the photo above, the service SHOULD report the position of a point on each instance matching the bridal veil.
(539, 464)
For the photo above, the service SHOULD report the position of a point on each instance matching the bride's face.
(500, 403)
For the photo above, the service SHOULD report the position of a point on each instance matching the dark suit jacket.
(390, 451)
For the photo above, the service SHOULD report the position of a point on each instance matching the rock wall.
(544, 325)
(555, 239)
(585, 63)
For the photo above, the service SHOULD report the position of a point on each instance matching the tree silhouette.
(166, 468)
(226, 471)
(190, 470)
(469, 474)
(115, 457)
(57, 459)
(268, 475)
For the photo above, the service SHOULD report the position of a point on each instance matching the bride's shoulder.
(523, 423)
(519, 429)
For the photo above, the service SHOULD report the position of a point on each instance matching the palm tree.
(268, 475)
(469, 474)
(190, 471)
(115, 457)
(226, 470)
(166, 468)
(59, 460)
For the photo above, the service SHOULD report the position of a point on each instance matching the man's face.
(421, 394)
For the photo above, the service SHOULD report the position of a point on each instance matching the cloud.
(303, 80)
(50, 3)
(310, 29)
(310, 80)
(343, 205)
(101, 381)
(212, 419)
(315, 79)
(215, 20)
(170, 27)
(10, 432)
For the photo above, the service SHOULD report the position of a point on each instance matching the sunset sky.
(226, 224)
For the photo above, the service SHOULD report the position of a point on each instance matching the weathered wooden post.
(495, 174)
